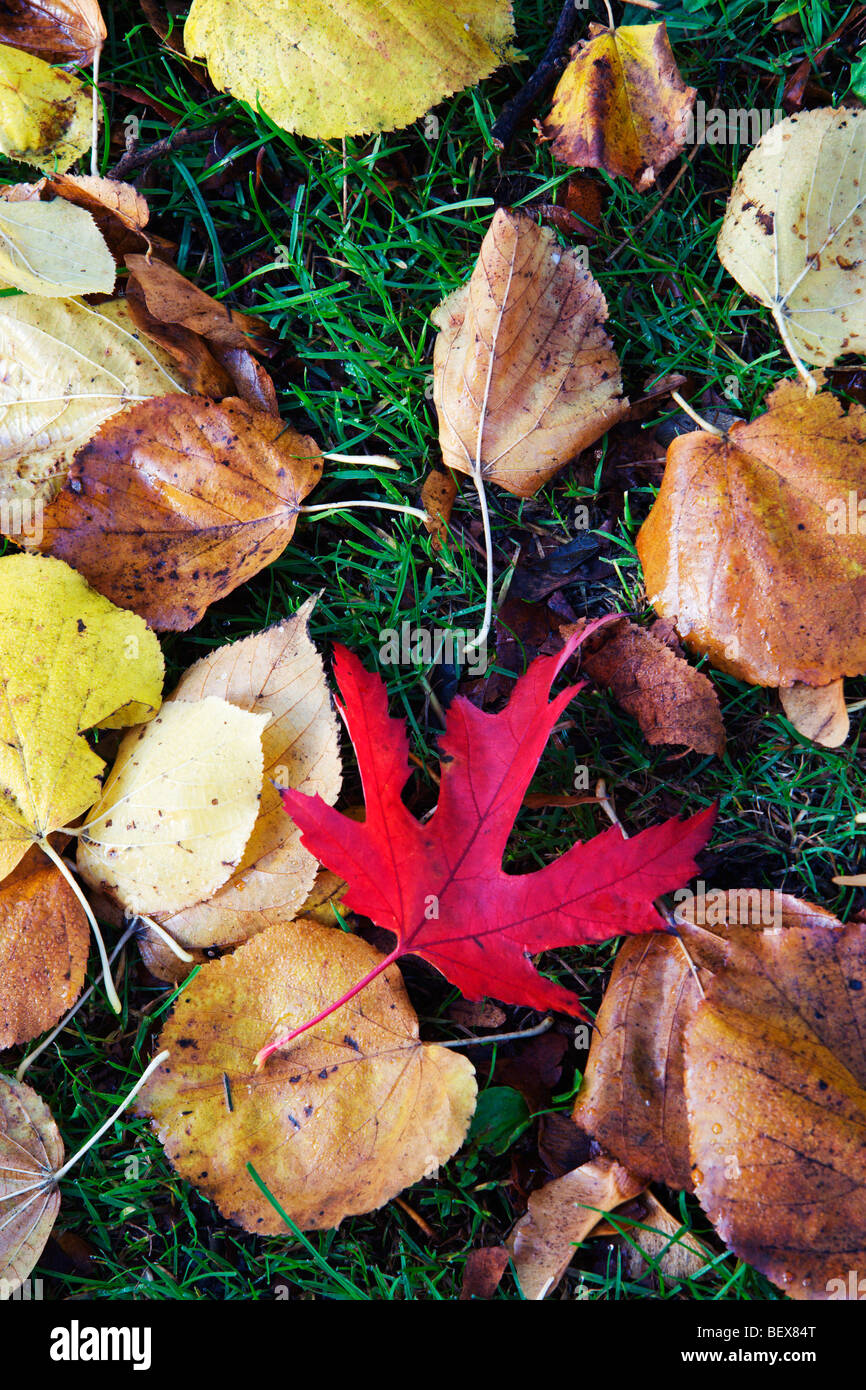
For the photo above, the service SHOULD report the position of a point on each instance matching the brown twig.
(550, 67)
(140, 159)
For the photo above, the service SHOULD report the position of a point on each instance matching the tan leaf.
(560, 1216)
(45, 114)
(350, 67)
(195, 497)
(44, 941)
(67, 368)
(211, 343)
(672, 702)
(652, 1241)
(177, 808)
(818, 712)
(60, 31)
(621, 104)
(119, 210)
(775, 1081)
(31, 1152)
(631, 1100)
(277, 672)
(53, 249)
(349, 1115)
(438, 494)
(524, 375)
(793, 232)
(749, 548)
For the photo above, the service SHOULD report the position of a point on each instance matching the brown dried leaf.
(818, 712)
(656, 1242)
(31, 1152)
(438, 494)
(177, 501)
(524, 375)
(672, 702)
(621, 104)
(44, 942)
(119, 210)
(749, 547)
(775, 1081)
(277, 672)
(58, 31)
(560, 1216)
(484, 1270)
(340, 1122)
(631, 1100)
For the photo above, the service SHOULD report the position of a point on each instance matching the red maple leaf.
(439, 886)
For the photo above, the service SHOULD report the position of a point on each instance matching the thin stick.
(64, 1022)
(552, 62)
(264, 1053)
(169, 940)
(542, 1027)
(145, 1076)
(141, 158)
(382, 506)
(698, 419)
(94, 128)
(110, 991)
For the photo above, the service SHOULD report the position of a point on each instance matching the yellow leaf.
(53, 249)
(793, 233)
(178, 807)
(45, 114)
(329, 68)
(621, 104)
(278, 672)
(69, 662)
(67, 368)
(354, 1111)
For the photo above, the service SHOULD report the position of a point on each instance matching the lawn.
(345, 250)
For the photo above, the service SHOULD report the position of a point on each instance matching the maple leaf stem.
(271, 1047)
(67, 873)
(802, 370)
(106, 1124)
(67, 1018)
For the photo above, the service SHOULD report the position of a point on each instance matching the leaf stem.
(145, 1075)
(368, 460)
(381, 506)
(264, 1053)
(67, 873)
(698, 419)
(784, 333)
(169, 940)
(94, 123)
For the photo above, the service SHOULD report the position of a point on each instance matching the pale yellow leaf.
(31, 1152)
(53, 249)
(177, 808)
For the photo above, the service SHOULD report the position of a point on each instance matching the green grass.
(345, 252)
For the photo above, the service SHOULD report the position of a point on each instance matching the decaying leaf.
(631, 1100)
(119, 210)
(350, 67)
(621, 104)
(793, 232)
(278, 672)
(438, 494)
(775, 1083)
(31, 1152)
(45, 114)
(818, 712)
(177, 501)
(44, 941)
(53, 249)
(672, 702)
(178, 806)
(69, 662)
(651, 1240)
(560, 1216)
(749, 549)
(60, 31)
(524, 375)
(341, 1121)
(67, 368)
